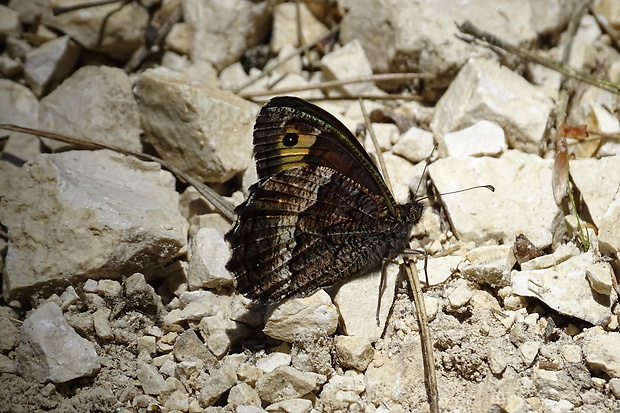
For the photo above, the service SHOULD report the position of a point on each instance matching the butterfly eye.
(290, 139)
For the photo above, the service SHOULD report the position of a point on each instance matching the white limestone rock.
(151, 380)
(285, 26)
(343, 392)
(10, 334)
(483, 90)
(49, 64)
(566, 289)
(597, 188)
(438, 269)
(223, 31)
(218, 382)
(599, 350)
(414, 145)
(358, 301)
(347, 62)
(89, 208)
(298, 318)
(207, 262)
(124, 30)
(608, 235)
(199, 128)
(291, 406)
(96, 104)
(283, 383)
(354, 352)
(489, 264)
(51, 350)
(483, 138)
(522, 202)
(9, 21)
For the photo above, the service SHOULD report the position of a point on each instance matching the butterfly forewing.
(320, 212)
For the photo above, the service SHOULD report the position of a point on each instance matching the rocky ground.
(115, 296)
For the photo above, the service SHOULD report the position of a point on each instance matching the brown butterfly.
(320, 211)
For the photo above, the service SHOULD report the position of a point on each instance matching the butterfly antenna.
(375, 142)
(489, 187)
(428, 161)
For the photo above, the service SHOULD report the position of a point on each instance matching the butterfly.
(320, 212)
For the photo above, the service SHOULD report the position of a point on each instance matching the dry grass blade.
(468, 28)
(213, 197)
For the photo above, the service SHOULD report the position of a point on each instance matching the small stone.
(483, 138)
(96, 103)
(515, 404)
(520, 110)
(599, 276)
(221, 333)
(188, 347)
(273, 360)
(358, 308)
(414, 145)
(140, 296)
(49, 64)
(50, 349)
(529, 351)
(68, 297)
(217, 383)
(147, 344)
(152, 382)
(101, 320)
(9, 336)
(354, 352)
(9, 21)
(287, 22)
(314, 315)
(569, 291)
(177, 400)
(490, 265)
(347, 62)
(438, 269)
(90, 286)
(291, 406)
(7, 365)
(284, 383)
(571, 353)
(459, 294)
(598, 350)
(497, 361)
(614, 386)
(108, 288)
(207, 262)
(243, 394)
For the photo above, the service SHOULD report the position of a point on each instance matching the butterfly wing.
(320, 211)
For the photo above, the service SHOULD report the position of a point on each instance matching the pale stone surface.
(483, 138)
(285, 26)
(358, 301)
(354, 352)
(597, 189)
(207, 263)
(9, 21)
(485, 91)
(96, 104)
(102, 324)
(222, 31)
(220, 333)
(152, 382)
(10, 334)
(219, 381)
(243, 394)
(101, 192)
(347, 62)
(489, 264)
(51, 350)
(203, 130)
(284, 383)
(414, 145)
(566, 289)
(522, 202)
(598, 351)
(273, 360)
(124, 30)
(296, 318)
(438, 269)
(49, 64)
(529, 351)
(561, 254)
(291, 406)
(342, 392)
(608, 235)
(459, 293)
